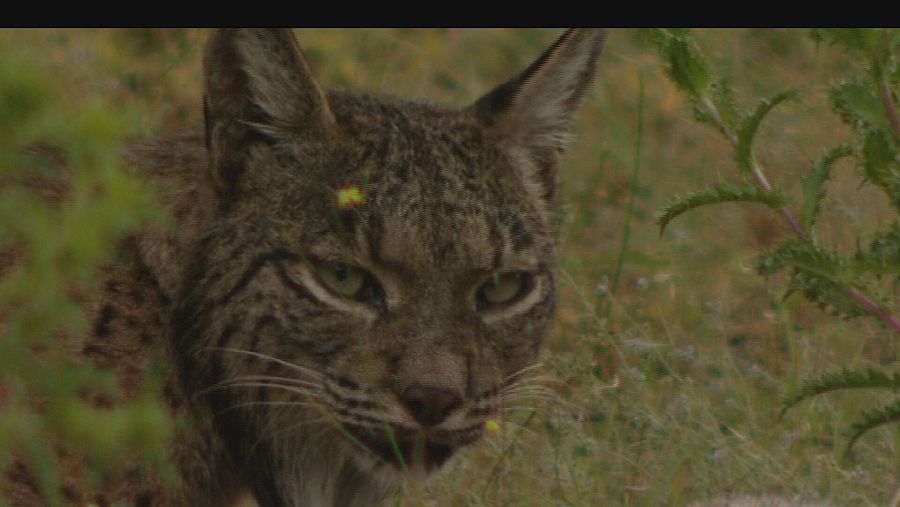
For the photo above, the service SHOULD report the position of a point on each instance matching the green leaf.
(861, 40)
(822, 276)
(721, 193)
(859, 105)
(683, 62)
(883, 256)
(744, 150)
(813, 191)
(806, 256)
(719, 111)
(871, 419)
(881, 164)
(838, 380)
(845, 379)
(713, 103)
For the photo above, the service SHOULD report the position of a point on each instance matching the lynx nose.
(430, 405)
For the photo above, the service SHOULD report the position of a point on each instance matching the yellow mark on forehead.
(350, 195)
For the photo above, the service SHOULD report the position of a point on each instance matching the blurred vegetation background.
(671, 356)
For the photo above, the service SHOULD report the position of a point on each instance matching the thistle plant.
(850, 286)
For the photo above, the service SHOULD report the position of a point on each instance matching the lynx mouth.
(406, 449)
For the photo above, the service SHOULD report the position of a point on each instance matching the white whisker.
(531, 391)
(542, 379)
(520, 372)
(301, 369)
(286, 380)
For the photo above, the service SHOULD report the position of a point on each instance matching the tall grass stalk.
(626, 228)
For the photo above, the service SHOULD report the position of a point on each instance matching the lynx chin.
(356, 283)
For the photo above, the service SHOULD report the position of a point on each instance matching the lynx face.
(379, 274)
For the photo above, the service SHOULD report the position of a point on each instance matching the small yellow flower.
(350, 195)
(492, 426)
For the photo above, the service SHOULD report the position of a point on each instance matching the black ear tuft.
(532, 113)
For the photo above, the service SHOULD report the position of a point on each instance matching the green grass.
(674, 394)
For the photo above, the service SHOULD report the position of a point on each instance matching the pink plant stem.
(873, 308)
(793, 221)
(788, 215)
(857, 296)
(890, 108)
(763, 182)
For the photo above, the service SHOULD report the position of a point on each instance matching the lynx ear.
(531, 115)
(258, 89)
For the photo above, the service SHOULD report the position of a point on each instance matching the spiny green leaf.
(861, 40)
(822, 276)
(871, 419)
(881, 163)
(712, 100)
(858, 104)
(719, 110)
(841, 379)
(721, 193)
(883, 256)
(682, 60)
(744, 150)
(844, 379)
(813, 191)
(826, 293)
(877, 46)
(806, 256)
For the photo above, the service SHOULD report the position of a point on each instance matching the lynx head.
(379, 272)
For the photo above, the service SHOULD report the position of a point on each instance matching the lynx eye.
(337, 282)
(343, 279)
(503, 289)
